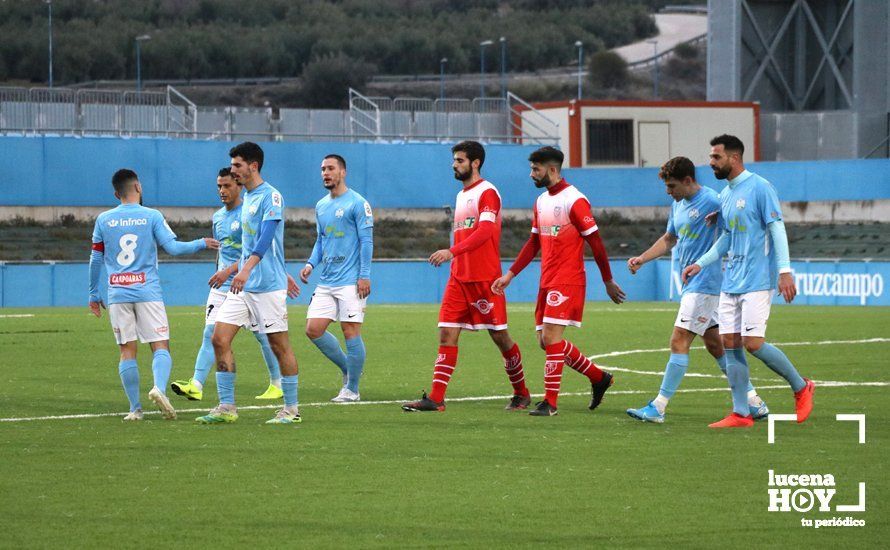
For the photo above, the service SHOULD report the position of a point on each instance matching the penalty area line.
(825, 384)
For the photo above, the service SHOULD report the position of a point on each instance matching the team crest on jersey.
(338, 213)
(276, 199)
(484, 306)
(236, 225)
(470, 204)
(367, 209)
(740, 204)
(694, 213)
(557, 210)
(556, 298)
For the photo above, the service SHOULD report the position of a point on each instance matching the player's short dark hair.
(729, 143)
(250, 152)
(547, 155)
(340, 160)
(678, 168)
(473, 150)
(123, 180)
(225, 172)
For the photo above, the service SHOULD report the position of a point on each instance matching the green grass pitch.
(369, 475)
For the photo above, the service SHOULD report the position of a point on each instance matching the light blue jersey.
(344, 245)
(130, 235)
(748, 204)
(262, 204)
(694, 238)
(227, 230)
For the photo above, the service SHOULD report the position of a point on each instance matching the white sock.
(660, 403)
(276, 383)
(754, 399)
(197, 384)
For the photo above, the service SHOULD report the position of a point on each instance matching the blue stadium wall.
(185, 283)
(61, 171)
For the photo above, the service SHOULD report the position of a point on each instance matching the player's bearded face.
(720, 164)
(462, 169)
(541, 179)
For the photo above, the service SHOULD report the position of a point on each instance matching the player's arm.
(166, 238)
(783, 260)
(220, 277)
(526, 255)
(582, 218)
(717, 251)
(315, 257)
(489, 206)
(770, 211)
(97, 256)
(264, 241)
(659, 248)
(365, 229)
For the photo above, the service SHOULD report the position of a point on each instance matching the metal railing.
(505, 120)
(96, 112)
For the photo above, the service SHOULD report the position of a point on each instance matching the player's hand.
(364, 288)
(615, 293)
(439, 257)
(501, 283)
(293, 289)
(305, 272)
(219, 278)
(96, 308)
(239, 281)
(211, 244)
(690, 271)
(634, 264)
(787, 288)
(711, 218)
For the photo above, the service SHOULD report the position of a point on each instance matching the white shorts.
(338, 303)
(745, 314)
(264, 312)
(698, 312)
(147, 320)
(214, 302)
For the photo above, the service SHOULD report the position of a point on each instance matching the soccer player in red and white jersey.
(561, 223)
(469, 303)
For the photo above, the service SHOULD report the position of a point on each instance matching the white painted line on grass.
(785, 344)
(16, 315)
(451, 400)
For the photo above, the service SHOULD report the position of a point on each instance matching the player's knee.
(220, 342)
(714, 347)
(752, 345)
(313, 332)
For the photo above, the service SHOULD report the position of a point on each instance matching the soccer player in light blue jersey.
(753, 239)
(690, 236)
(342, 253)
(257, 295)
(125, 240)
(227, 230)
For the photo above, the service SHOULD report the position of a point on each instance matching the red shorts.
(472, 306)
(560, 305)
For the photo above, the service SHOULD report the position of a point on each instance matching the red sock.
(577, 360)
(513, 366)
(445, 364)
(556, 358)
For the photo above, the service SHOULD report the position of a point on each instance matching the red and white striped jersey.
(562, 218)
(480, 202)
